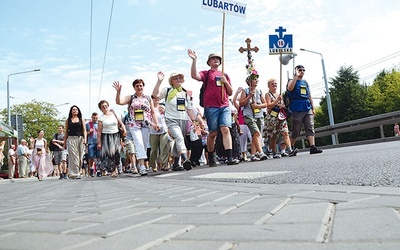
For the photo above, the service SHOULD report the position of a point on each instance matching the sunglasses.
(302, 70)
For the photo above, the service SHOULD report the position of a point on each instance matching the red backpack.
(240, 116)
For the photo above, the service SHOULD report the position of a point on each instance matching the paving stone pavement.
(155, 213)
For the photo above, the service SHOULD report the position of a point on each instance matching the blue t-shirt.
(300, 94)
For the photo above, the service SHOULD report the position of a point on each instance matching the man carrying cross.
(253, 102)
(216, 105)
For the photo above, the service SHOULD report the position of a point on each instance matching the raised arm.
(193, 70)
(118, 99)
(156, 90)
(292, 83)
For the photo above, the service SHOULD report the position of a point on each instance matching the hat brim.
(220, 59)
(176, 74)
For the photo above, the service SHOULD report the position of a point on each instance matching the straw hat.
(175, 74)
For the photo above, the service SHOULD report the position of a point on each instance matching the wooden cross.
(249, 48)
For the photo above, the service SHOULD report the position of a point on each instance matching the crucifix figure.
(248, 49)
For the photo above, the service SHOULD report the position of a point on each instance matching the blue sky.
(152, 35)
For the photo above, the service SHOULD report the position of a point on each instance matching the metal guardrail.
(356, 125)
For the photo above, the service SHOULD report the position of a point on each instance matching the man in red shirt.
(217, 89)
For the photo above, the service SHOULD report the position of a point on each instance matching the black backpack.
(203, 87)
(287, 98)
(53, 147)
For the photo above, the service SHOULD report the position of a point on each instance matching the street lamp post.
(58, 105)
(62, 104)
(8, 91)
(328, 96)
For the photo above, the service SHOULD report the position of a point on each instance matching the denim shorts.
(218, 117)
(92, 151)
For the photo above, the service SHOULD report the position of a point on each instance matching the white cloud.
(148, 36)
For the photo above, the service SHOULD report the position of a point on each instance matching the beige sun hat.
(214, 55)
(176, 74)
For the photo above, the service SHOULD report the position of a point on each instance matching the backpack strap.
(206, 82)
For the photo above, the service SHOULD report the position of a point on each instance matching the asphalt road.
(363, 165)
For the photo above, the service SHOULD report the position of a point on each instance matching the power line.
(105, 51)
(90, 54)
(377, 73)
(383, 59)
(318, 86)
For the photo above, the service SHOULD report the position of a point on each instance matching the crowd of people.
(167, 131)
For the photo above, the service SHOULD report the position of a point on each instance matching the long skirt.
(75, 155)
(110, 156)
(43, 164)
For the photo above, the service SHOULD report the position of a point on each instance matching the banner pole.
(223, 41)
(280, 62)
(222, 54)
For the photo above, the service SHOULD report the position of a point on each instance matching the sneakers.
(276, 156)
(254, 158)
(315, 150)
(222, 160)
(91, 172)
(284, 154)
(142, 170)
(233, 162)
(177, 167)
(293, 152)
(61, 177)
(262, 156)
(187, 164)
(213, 161)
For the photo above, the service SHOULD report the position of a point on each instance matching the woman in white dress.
(39, 146)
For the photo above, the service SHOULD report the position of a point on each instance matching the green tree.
(348, 96)
(349, 102)
(384, 93)
(36, 116)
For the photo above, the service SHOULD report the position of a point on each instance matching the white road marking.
(239, 175)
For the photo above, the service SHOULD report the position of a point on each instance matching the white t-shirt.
(110, 124)
(39, 143)
(11, 154)
(171, 107)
